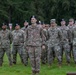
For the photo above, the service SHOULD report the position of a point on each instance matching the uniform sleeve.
(10, 36)
(43, 36)
(60, 35)
(70, 34)
(25, 37)
(48, 34)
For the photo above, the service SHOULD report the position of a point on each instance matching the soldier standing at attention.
(34, 40)
(6, 40)
(65, 47)
(74, 43)
(44, 50)
(18, 44)
(71, 26)
(54, 39)
(26, 24)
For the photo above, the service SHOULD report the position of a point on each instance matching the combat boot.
(33, 72)
(59, 65)
(68, 63)
(37, 73)
(14, 63)
(10, 64)
(49, 66)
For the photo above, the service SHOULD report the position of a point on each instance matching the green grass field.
(20, 69)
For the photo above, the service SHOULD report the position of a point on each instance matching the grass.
(20, 69)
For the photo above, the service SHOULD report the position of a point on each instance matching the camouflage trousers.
(74, 53)
(20, 50)
(71, 50)
(27, 56)
(34, 55)
(44, 56)
(8, 53)
(56, 49)
(66, 48)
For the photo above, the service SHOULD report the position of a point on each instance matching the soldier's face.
(71, 22)
(43, 26)
(53, 24)
(33, 20)
(4, 27)
(46, 26)
(63, 23)
(25, 23)
(17, 27)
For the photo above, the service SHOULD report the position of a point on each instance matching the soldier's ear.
(36, 20)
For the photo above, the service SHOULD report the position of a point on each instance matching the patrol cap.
(62, 20)
(71, 19)
(17, 24)
(53, 21)
(25, 21)
(34, 17)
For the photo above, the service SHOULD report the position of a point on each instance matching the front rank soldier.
(54, 39)
(18, 44)
(5, 44)
(34, 40)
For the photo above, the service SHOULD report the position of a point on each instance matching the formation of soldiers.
(39, 42)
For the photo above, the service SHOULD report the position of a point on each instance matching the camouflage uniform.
(71, 26)
(18, 45)
(74, 43)
(71, 39)
(65, 43)
(44, 51)
(5, 40)
(34, 39)
(54, 38)
(24, 29)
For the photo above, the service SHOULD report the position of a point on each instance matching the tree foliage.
(17, 11)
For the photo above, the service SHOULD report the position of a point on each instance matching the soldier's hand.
(43, 46)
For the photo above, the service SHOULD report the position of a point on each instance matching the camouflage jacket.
(54, 36)
(23, 28)
(18, 37)
(65, 34)
(74, 36)
(35, 36)
(6, 38)
(70, 35)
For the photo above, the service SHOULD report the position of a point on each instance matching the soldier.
(74, 43)
(44, 50)
(65, 47)
(54, 39)
(34, 40)
(5, 42)
(39, 24)
(26, 24)
(71, 26)
(18, 44)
